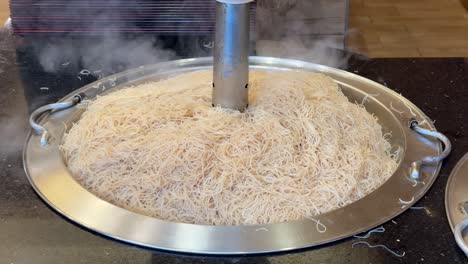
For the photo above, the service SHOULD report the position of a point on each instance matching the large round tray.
(456, 202)
(51, 179)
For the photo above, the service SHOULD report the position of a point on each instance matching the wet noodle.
(161, 149)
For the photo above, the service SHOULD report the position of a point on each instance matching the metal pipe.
(231, 54)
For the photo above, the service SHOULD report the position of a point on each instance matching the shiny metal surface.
(33, 119)
(49, 176)
(231, 56)
(416, 165)
(456, 202)
(459, 231)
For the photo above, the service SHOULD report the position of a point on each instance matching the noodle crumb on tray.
(160, 149)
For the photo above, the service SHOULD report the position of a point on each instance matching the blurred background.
(376, 28)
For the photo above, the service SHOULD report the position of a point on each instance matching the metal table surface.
(30, 232)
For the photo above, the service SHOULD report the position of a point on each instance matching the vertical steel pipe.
(231, 55)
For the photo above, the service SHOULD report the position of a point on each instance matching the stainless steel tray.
(456, 203)
(51, 179)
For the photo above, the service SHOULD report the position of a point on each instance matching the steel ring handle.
(458, 232)
(416, 165)
(33, 119)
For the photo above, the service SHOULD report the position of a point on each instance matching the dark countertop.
(30, 232)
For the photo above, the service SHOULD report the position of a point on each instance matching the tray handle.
(33, 119)
(458, 232)
(416, 165)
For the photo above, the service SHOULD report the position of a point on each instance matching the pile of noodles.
(162, 150)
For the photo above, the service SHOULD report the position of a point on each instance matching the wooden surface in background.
(4, 11)
(403, 28)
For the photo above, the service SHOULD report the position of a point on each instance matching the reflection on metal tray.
(49, 176)
(456, 202)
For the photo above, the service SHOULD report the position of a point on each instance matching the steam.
(12, 103)
(107, 53)
(113, 52)
(13, 129)
(97, 44)
(285, 30)
(322, 51)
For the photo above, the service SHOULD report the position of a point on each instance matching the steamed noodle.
(162, 150)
